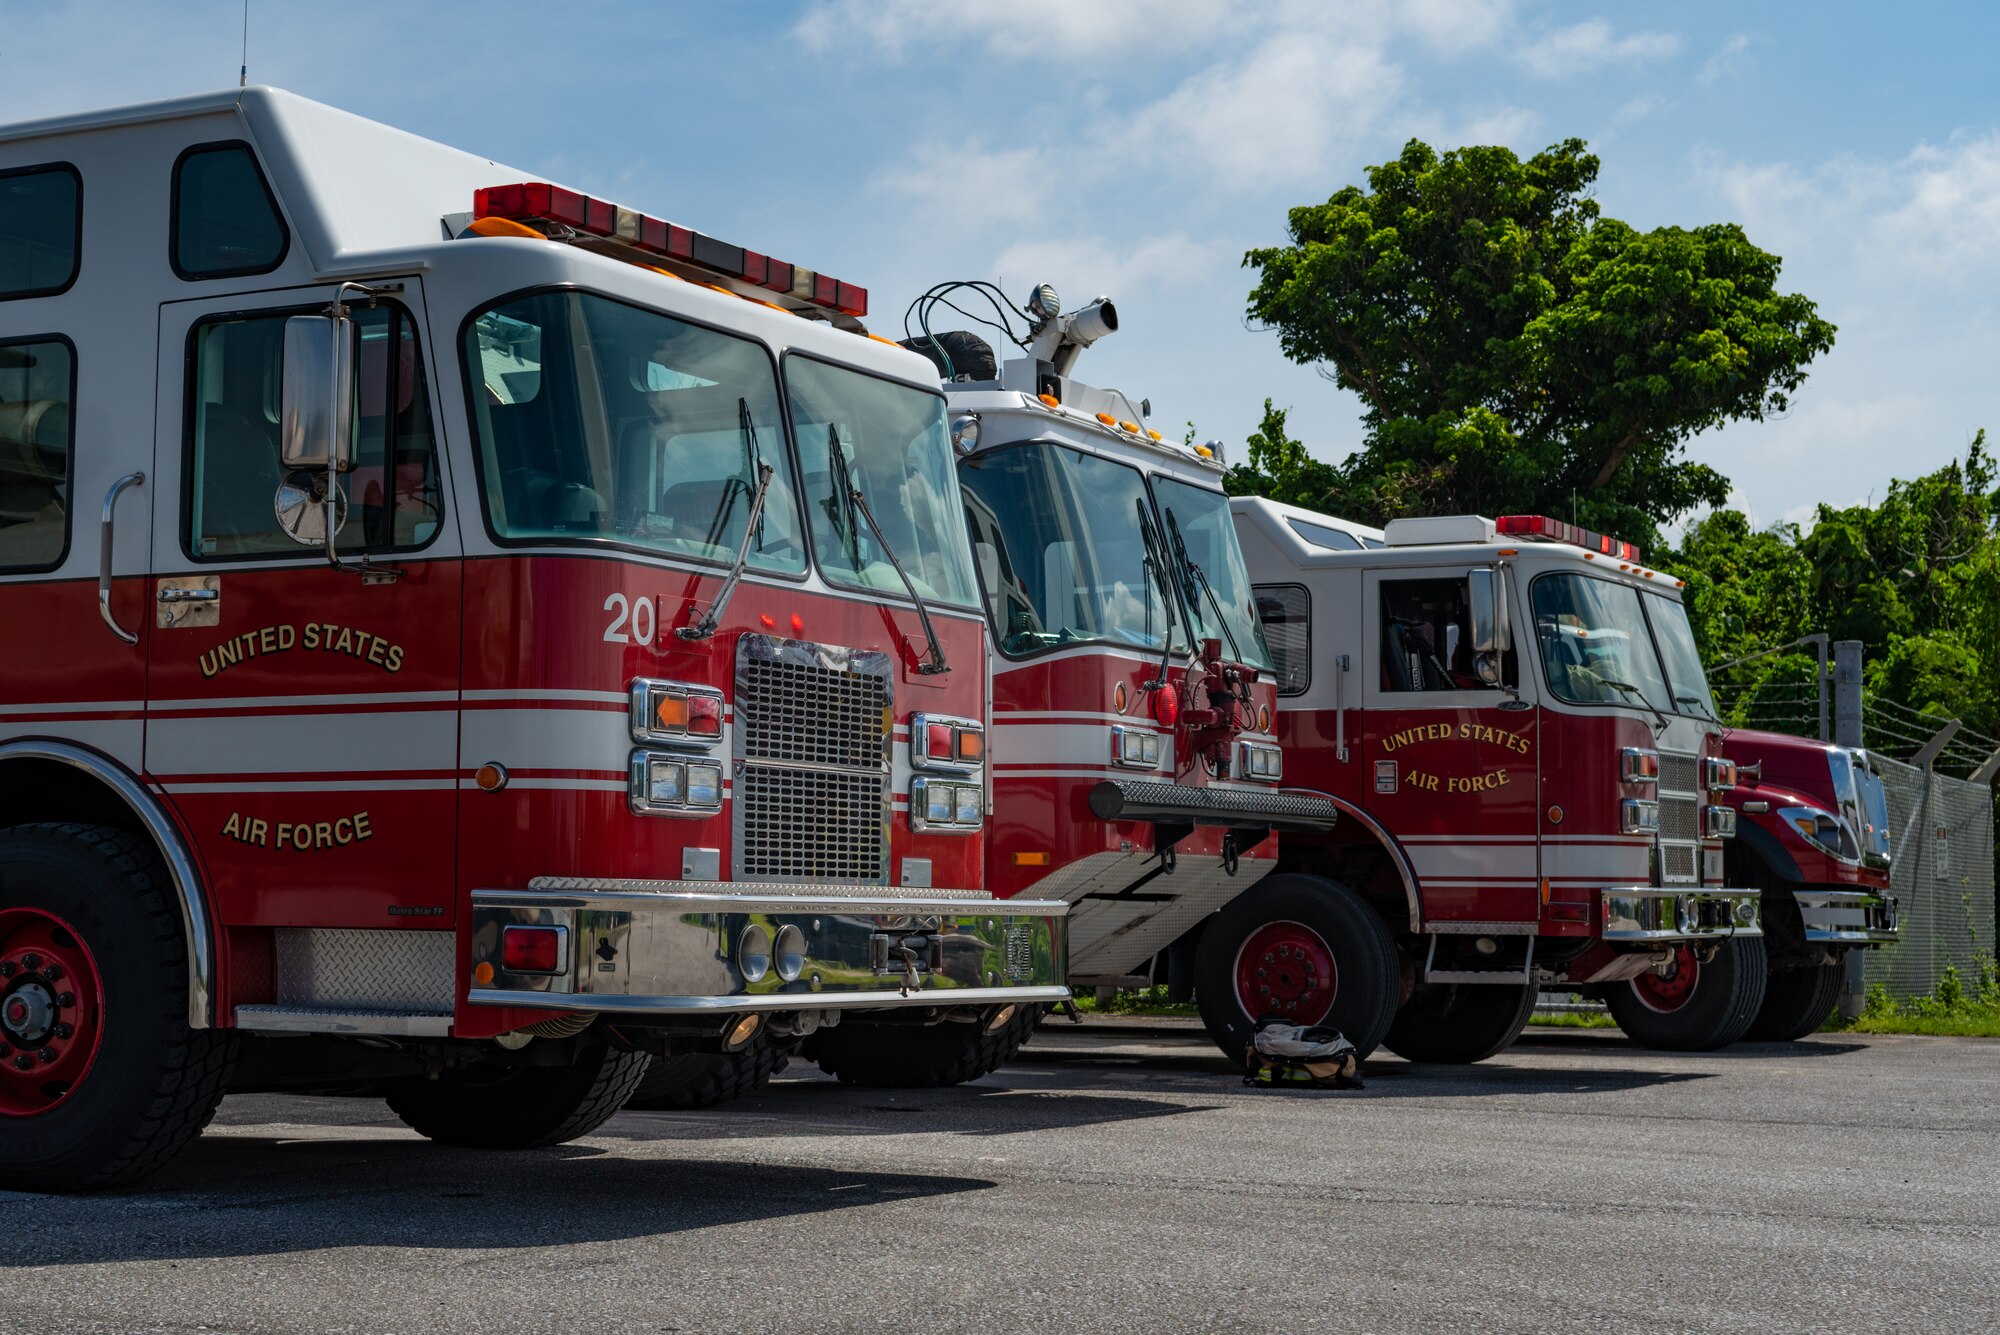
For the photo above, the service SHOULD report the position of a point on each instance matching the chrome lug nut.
(53, 973)
(65, 998)
(64, 1029)
(23, 1062)
(47, 1055)
(31, 961)
(7, 968)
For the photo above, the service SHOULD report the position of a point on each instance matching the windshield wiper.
(1660, 719)
(1156, 573)
(859, 504)
(753, 531)
(1707, 712)
(1192, 575)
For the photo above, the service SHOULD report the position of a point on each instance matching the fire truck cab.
(487, 656)
(1512, 717)
(1136, 773)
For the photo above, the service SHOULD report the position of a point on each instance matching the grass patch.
(1574, 1020)
(1952, 1010)
(1134, 1001)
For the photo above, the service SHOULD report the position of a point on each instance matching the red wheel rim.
(1287, 969)
(51, 1011)
(1669, 992)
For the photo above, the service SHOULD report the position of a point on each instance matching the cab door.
(1448, 759)
(302, 718)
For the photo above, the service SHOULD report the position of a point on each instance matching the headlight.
(662, 784)
(1637, 815)
(1824, 831)
(1719, 822)
(1135, 748)
(1258, 761)
(945, 807)
(1719, 774)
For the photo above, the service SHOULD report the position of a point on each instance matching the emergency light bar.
(1541, 528)
(655, 239)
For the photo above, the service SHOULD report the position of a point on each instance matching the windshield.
(1061, 554)
(1684, 673)
(599, 421)
(889, 442)
(1217, 589)
(1595, 649)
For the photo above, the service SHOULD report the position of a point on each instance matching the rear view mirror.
(1487, 598)
(316, 415)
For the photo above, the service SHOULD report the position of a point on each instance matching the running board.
(341, 1020)
(1490, 977)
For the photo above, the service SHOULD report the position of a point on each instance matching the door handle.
(190, 595)
(104, 556)
(1340, 708)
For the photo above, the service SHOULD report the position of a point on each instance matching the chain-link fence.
(1941, 829)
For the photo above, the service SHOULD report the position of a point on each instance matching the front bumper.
(689, 947)
(1645, 913)
(1230, 808)
(1849, 917)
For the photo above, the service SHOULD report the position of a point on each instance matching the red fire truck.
(488, 657)
(1512, 717)
(1812, 833)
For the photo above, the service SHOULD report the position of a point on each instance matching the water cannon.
(1056, 338)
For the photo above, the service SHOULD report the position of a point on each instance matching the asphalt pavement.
(1118, 1178)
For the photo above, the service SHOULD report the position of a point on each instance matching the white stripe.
(558, 739)
(329, 743)
(78, 707)
(1462, 838)
(119, 738)
(603, 697)
(315, 786)
(1007, 775)
(307, 701)
(1601, 863)
(1001, 715)
(1474, 860)
(1502, 882)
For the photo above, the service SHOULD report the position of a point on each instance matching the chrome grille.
(1679, 774)
(812, 747)
(1680, 818)
(1678, 862)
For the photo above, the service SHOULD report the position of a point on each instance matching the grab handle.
(104, 557)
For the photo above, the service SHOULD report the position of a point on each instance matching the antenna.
(243, 70)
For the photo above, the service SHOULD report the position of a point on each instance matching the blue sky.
(1138, 147)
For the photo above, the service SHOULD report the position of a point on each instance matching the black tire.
(1367, 974)
(1797, 1002)
(908, 1056)
(1715, 1012)
(689, 1080)
(497, 1107)
(1459, 1024)
(153, 1082)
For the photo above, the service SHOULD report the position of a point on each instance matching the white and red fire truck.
(1136, 774)
(486, 657)
(1512, 716)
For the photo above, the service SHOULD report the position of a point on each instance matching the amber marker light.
(1049, 400)
(1118, 697)
(1031, 859)
(1555, 815)
(1107, 419)
(971, 746)
(491, 777)
(482, 973)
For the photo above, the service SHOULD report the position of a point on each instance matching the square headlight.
(966, 810)
(940, 802)
(666, 782)
(704, 785)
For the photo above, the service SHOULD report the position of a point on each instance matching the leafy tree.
(1279, 467)
(1514, 350)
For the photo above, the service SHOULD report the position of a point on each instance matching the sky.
(1137, 148)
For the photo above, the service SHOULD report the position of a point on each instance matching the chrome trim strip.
(778, 1001)
(180, 867)
(1483, 928)
(1678, 913)
(701, 897)
(337, 1020)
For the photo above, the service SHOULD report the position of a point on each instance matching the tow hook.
(911, 956)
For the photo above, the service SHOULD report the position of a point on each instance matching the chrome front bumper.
(1678, 913)
(681, 947)
(1849, 917)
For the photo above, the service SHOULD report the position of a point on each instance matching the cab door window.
(236, 368)
(37, 379)
(1427, 637)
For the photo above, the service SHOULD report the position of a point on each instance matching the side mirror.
(316, 416)
(1487, 596)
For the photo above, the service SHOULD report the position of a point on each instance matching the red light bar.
(540, 201)
(1545, 529)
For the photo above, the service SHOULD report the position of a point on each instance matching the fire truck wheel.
(704, 1079)
(498, 1107)
(904, 1056)
(1797, 1002)
(1301, 948)
(1460, 1024)
(1695, 1006)
(101, 1079)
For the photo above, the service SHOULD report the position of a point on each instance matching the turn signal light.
(673, 711)
(1638, 765)
(939, 742)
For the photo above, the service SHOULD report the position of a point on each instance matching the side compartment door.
(1450, 761)
(303, 719)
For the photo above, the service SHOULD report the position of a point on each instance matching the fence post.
(1847, 731)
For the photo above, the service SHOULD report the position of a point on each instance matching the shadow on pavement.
(243, 1195)
(1614, 1040)
(822, 1108)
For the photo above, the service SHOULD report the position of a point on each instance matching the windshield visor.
(1595, 649)
(602, 422)
(888, 441)
(1683, 661)
(1061, 554)
(1201, 518)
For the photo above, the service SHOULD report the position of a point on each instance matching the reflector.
(531, 949)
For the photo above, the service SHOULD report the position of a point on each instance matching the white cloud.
(1591, 45)
(1058, 30)
(1730, 59)
(1084, 267)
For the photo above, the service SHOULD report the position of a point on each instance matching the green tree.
(1279, 467)
(1515, 351)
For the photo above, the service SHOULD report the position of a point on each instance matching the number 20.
(639, 611)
